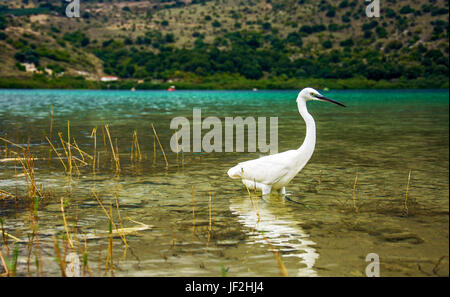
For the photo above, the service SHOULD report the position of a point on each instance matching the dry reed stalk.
(79, 160)
(6, 148)
(110, 218)
(193, 211)
(210, 217)
(39, 256)
(15, 181)
(30, 248)
(12, 143)
(251, 200)
(61, 262)
(51, 121)
(69, 146)
(85, 259)
(69, 237)
(154, 149)
(135, 148)
(59, 156)
(132, 151)
(28, 169)
(5, 267)
(117, 154)
(276, 254)
(69, 160)
(50, 133)
(160, 146)
(354, 192)
(104, 140)
(109, 254)
(120, 221)
(283, 271)
(4, 236)
(138, 147)
(82, 153)
(319, 182)
(12, 237)
(4, 195)
(94, 135)
(117, 164)
(75, 145)
(405, 204)
(76, 166)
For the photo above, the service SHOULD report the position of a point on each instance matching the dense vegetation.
(247, 57)
(346, 46)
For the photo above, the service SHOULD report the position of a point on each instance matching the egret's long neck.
(310, 139)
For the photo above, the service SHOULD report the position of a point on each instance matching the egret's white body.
(274, 172)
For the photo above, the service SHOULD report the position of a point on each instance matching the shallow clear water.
(380, 136)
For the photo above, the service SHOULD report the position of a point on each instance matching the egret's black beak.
(323, 98)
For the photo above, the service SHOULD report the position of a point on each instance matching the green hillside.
(225, 44)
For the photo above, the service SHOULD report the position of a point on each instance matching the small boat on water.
(171, 89)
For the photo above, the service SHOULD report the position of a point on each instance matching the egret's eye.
(312, 94)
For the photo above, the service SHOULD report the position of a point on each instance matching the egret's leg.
(283, 191)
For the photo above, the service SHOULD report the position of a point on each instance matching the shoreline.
(216, 83)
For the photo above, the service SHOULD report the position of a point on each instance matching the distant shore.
(220, 83)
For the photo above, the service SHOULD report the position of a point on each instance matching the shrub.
(327, 44)
(347, 43)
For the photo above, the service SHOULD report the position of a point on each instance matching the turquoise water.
(381, 136)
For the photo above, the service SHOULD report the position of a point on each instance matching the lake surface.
(205, 224)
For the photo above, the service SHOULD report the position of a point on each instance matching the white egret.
(274, 172)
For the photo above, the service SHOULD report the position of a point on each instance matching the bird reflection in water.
(270, 224)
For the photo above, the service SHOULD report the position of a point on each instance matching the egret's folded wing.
(266, 170)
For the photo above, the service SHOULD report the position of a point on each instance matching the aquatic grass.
(10, 263)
